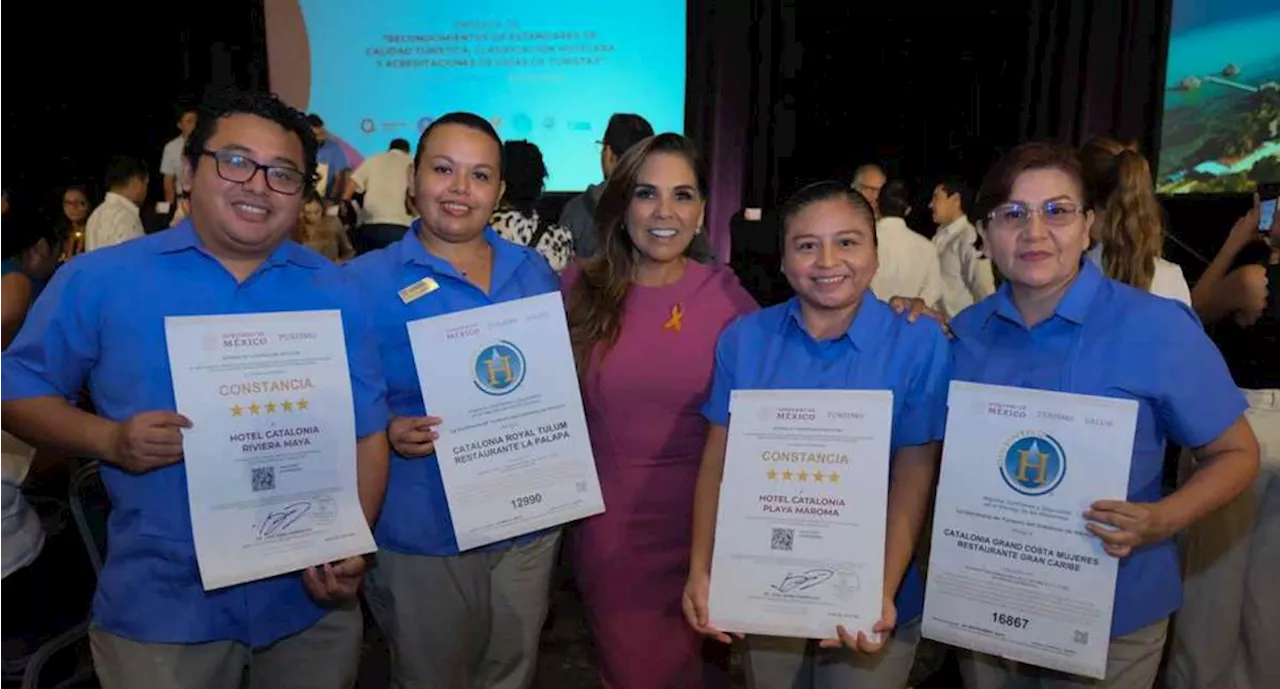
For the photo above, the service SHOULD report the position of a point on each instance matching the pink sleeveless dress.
(643, 405)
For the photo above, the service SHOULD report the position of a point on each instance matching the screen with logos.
(548, 72)
(1221, 125)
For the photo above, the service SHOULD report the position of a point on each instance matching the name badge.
(418, 289)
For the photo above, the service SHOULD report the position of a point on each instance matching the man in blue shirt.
(835, 335)
(455, 620)
(101, 323)
(331, 161)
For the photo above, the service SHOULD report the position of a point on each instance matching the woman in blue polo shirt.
(1058, 324)
(833, 335)
(453, 619)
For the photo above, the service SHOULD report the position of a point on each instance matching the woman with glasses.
(454, 619)
(74, 218)
(1057, 323)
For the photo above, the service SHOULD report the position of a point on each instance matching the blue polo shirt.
(101, 322)
(1110, 340)
(415, 513)
(771, 350)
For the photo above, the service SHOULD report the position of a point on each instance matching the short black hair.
(952, 184)
(525, 174)
(399, 145)
(314, 120)
(466, 119)
(624, 131)
(27, 229)
(894, 200)
(121, 169)
(222, 103)
(823, 191)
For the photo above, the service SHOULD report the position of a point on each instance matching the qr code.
(783, 539)
(264, 478)
(582, 486)
(1081, 636)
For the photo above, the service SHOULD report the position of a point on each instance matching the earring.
(698, 231)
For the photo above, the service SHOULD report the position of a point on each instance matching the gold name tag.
(418, 289)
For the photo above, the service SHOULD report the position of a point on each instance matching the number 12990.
(526, 500)
(1010, 620)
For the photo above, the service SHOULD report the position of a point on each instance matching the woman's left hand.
(1136, 524)
(862, 642)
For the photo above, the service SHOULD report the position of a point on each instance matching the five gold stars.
(803, 476)
(270, 407)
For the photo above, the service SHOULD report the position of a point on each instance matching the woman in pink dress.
(644, 317)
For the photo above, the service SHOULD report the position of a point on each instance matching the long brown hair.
(596, 300)
(1131, 228)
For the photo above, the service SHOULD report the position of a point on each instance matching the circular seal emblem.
(1033, 463)
(367, 126)
(499, 368)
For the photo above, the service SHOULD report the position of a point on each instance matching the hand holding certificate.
(513, 448)
(1013, 570)
(800, 530)
(271, 453)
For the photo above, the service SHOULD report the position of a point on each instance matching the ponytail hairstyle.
(594, 304)
(1130, 226)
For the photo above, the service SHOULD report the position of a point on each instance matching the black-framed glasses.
(1018, 215)
(239, 168)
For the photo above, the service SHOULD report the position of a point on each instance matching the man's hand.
(149, 440)
(413, 436)
(334, 582)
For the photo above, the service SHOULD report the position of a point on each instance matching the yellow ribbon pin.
(674, 322)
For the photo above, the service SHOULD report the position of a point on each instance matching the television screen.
(1221, 126)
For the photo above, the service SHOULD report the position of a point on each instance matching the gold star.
(271, 407)
(302, 404)
(254, 408)
(237, 410)
(773, 475)
(833, 477)
(818, 476)
(286, 405)
(804, 475)
(786, 475)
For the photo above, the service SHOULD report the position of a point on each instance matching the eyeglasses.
(239, 168)
(1018, 215)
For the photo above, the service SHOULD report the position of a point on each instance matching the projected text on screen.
(551, 73)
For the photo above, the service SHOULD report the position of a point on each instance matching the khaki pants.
(1132, 663)
(1227, 635)
(464, 621)
(775, 662)
(326, 655)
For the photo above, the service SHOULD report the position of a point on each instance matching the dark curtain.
(1095, 68)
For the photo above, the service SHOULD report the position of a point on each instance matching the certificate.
(1012, 571)
(513, 448)
(271, 453)
(800, 529)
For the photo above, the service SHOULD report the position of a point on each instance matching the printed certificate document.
(800, 530)
(513, 449)
(1012, 571)
(271, 454)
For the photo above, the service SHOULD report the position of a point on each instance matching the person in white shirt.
(966, 272)
(908, 261)
(384, 181)
(176, 185)
(118, 219)
(1128, 231)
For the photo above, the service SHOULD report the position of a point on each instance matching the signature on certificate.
(803, 581)
(277, 522)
